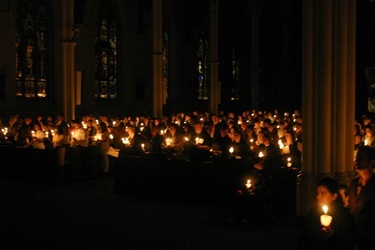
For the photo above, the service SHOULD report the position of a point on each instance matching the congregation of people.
(266, 139)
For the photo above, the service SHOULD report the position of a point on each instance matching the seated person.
(221, 143)
(239, 146)
(250, 201)
(133, 143)
(174, 140)
(200, 143)
(154, 140)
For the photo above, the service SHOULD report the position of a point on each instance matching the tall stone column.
(328, 79)
(214, 91)
(255, 8)
(68, 66)
(157, 57)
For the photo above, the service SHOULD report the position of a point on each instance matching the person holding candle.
(154, 140)
(104, 147)
(241, 148)
(252, 204)
(174, 141)
(38, 138)
(362, 198)
(200, 143)
(329, 225)
(221, 144)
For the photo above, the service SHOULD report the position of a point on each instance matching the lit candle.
(114, 123)
(111, 136)
(125, 141)
(46, 133)
(186, 138)
(248, 184)
(143, 146)
(281, 144)
(325, 219)
(196, 140)
(168, 141)
(261, 154)
(33, 133)
(289, 162)
(231, 150)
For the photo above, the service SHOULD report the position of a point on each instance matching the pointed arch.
(106, 52)
(32, 40)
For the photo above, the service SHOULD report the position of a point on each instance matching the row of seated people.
(195, 136)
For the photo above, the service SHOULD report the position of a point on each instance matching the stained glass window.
(202, 69)
(105, 57)
(31, 53)
(235, 88)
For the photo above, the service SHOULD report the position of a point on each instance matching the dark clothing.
(315, 238)
(193, 148)
(272, 157)
(253, 204)
(241, 149)
(362, 207)
(221, 145)
(154, 143)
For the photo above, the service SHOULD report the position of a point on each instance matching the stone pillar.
(157, 57)
(255, 8)
(68, 68)
(328, 80)
(214, 91)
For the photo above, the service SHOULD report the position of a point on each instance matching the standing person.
(78, 140)
(339, 233)
(58, 144)
(60, 122)
(38, 137)
(104, 147)
(362, 198)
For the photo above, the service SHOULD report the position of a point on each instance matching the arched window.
(31, 49)
(202, 68)
(235, 87)
(105, 55)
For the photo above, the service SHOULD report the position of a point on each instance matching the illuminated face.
(324, 196)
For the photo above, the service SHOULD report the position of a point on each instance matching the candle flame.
(231, 150)
(325, 209)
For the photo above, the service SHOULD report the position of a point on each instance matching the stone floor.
(88, 215)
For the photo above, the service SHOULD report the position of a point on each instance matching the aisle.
(88, 214)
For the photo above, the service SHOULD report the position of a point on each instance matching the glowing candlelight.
(281, 144)
(186, 138)
(231, 150)
(111, 136)
(125, 141)
(32, 133)
(114, 123)
(248, 184)
(289, 162)
(261, 154)
(196, 140)
(325, 219)
(143, 146)
(168, 141)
